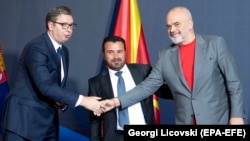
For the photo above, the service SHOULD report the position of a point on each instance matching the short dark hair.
(113, 38)
(55, 12)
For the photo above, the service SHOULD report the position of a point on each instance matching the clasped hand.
(98, 106)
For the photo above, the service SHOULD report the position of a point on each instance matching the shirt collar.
(124, 69)
(55, 44)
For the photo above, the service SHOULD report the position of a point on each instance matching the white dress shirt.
(136, 116)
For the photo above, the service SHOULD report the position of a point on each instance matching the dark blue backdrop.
(22, 20)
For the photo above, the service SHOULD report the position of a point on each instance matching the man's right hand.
(109, 104)
(92, 103)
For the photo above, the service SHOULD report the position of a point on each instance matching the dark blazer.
(29, 110)
(100, 85)
(217, 93)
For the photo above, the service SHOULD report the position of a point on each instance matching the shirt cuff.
(79, 100)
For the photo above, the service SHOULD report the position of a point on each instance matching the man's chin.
(176, 41)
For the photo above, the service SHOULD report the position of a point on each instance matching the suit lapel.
(106, 82)
(199, 58)
(134, 73)
(53, 54)
(51, 47)
(175, 60)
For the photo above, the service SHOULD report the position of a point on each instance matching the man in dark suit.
(106, 127)
(200, 72)
(31, 108)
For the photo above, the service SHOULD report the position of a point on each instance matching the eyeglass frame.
(66, 25)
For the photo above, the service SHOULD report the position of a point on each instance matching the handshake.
(98, 106)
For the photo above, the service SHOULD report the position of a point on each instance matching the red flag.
(128, 26)
(4, 88)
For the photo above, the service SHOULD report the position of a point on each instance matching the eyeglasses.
(66, 25)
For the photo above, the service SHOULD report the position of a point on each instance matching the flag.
(4, 88)
(128, 26)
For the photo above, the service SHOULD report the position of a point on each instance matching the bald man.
(200, 72)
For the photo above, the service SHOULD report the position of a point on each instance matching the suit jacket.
(29, 110)
(217, 90)
(100, 85)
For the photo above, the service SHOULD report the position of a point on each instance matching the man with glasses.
(31, 108)
(66, 25)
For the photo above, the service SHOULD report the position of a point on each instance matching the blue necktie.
(59, 53)
(59, 56)
(123, 113)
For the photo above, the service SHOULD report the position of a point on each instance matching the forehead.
(175, 16)
(116, 44)
(65, 18)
